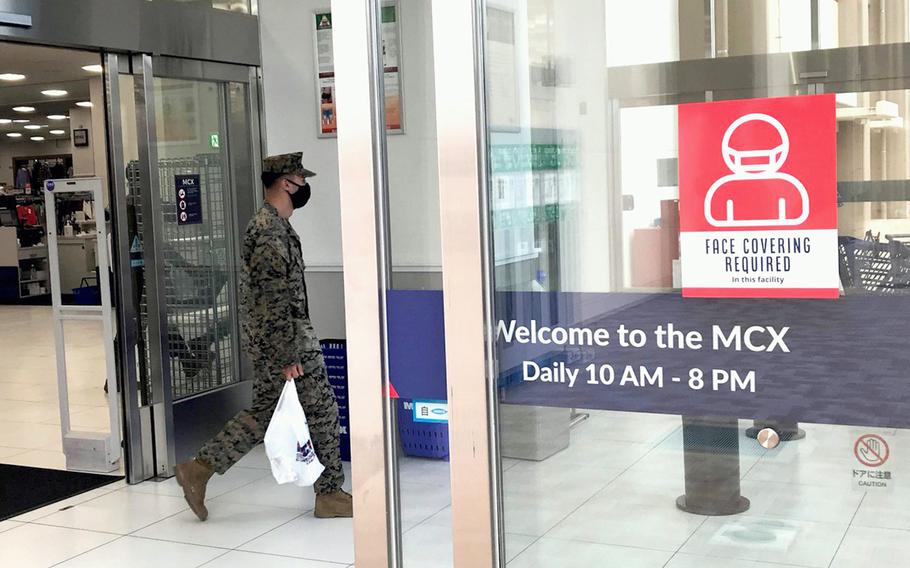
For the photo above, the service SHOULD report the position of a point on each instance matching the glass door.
(611, 401)
(636, 424)
(190, 137)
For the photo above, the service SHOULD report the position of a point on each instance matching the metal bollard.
(711, 454)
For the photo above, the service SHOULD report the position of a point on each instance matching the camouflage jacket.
(273, 299)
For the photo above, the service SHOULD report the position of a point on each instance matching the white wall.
(99, 122)
(83, 156)
(413, 164)
(291, 125)
(289, 99)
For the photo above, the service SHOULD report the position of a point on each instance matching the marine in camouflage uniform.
(277, 334)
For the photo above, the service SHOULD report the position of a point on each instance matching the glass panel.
(242, 6)
(136, 236)
(196, 253)
(605, 461)
(416, 353)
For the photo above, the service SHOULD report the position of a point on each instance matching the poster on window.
(325, 71)
(758, 198)
(189, 199)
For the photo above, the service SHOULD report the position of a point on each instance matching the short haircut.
(270, 178)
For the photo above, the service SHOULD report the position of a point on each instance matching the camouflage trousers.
(246, 430)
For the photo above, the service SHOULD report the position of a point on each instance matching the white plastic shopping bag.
(288, 444)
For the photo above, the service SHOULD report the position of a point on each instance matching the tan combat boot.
(193, 477)
(333, 505)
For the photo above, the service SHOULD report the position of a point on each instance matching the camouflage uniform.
(277, 333)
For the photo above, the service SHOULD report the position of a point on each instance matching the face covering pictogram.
(756, 170)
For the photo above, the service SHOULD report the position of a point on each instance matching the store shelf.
(30, 253)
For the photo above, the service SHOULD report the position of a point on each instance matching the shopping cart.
(873, 266)
(196, 261)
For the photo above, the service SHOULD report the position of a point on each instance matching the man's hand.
(292, 372)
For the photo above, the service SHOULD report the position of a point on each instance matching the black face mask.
(300, 197)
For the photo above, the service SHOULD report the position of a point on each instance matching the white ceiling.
(44, 68)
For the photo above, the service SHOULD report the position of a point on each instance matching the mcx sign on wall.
(758, 198)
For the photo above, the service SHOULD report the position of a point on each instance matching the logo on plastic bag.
(305, 453)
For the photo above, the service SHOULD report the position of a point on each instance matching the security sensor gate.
(85, 451)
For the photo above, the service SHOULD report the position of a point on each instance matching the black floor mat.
(23, 489)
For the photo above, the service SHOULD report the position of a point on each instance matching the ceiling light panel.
(55, 93)
(24, 109)
(11, 77)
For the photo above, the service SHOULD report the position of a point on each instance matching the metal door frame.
(361, 154)
(361, 167)
(468, 269)
(137, 419)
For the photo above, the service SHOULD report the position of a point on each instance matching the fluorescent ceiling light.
(32, 127)
(5, 121)
(58, 132)
(38, 138)
(93, 68)
(14, 135)
(11, 77)
(21, 120)
(57, 117)
(55, 93)
(24, 109)
(84, 104)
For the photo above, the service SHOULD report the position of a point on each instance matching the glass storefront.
(633, 426)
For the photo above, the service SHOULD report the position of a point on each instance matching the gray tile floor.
(617, 506)
(29, 411)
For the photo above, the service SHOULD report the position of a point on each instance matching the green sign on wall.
(214, 140)
(531, 157)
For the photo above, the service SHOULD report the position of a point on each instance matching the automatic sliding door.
(185, 169)
(198, 177)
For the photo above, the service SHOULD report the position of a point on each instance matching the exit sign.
(214, 140)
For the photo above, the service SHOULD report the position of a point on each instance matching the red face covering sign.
(758, 198)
